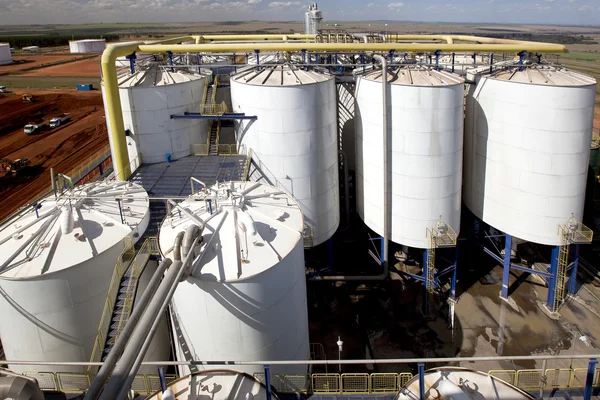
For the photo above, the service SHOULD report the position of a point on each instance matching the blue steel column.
(170, 54)
(589, 380)
(573, 277)
(268, 380)
(453, 54)
(437, 59)
(257, 59)
(421, 381)
(521, 57)
(453, 281)
(552, 279)
(506, 273)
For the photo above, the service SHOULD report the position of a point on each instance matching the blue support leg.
(573, 278)
(268, 380)
(506, 273)
(421, 381)
(552, 278)
(589, 380)
(453, 55)
(453, 281)
(170, 54)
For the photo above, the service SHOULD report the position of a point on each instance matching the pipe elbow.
(191, 233)
(177, 246)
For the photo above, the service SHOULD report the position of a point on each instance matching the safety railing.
(551, 378)
(199, 149)
(76, 383)
(227, 150)
(121, 266)
(83, 169)
(148, 249)
(213, 109)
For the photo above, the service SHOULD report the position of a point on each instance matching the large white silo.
(148, 99)
(527, 146)
(294, 137)
(57, 263)
(425, 117)
(245, 299)
(5, 54)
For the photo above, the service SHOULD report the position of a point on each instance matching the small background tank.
(245, 299)
(294, 139)
(87, 46)
(5, 54)
(527, 148)
(425, 117)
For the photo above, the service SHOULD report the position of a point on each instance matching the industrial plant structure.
(238, 142)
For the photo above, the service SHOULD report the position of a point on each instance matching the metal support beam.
(453, 280)
(224, 117)
(575, 263)
(170, 54)
(491, 62)
(257, 59)
(506, 263)
(437, 59)
(453, 55)
(268, 380)
(589, 380)
(521, 58)
(131, 59)
(517, 267)
(552, 278)
(421, 367)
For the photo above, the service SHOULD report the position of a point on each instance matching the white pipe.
(177, 246)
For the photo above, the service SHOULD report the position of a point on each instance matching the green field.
(582, 56)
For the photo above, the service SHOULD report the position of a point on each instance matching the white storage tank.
(245, 299)
(425, 117)
(87, 46)
(527, 147)
(294, 137)
(148, 99)
(5, 54)
(56, 265)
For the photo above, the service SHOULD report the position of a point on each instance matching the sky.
(564, 12)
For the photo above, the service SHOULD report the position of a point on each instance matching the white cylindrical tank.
(5, 54)
(148, 99)
(425, 118)
(294, 138)
(245, 299)
(87, 46)
(527, 146)
(56, 266)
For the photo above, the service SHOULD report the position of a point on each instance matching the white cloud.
(585, 8)
(254, 1)
(285, 4)
(395, 6)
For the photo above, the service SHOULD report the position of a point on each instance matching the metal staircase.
(213, 138)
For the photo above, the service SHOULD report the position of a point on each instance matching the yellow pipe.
(114, 113)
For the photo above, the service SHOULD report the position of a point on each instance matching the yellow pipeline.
(114, 113)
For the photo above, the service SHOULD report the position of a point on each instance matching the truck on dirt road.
(60, 120)
(33, 128)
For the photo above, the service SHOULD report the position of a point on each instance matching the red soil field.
(62, 148)
(24, 62)
(89, 67)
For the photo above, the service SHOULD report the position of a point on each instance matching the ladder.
(561, 274)
(430, 267)
(213, 138)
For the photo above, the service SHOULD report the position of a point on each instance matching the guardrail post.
(543, 380)
(589, 380)
(421, 381)
(268, 380)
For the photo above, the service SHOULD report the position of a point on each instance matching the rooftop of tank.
(280, 75)
(155, 75)
(541, 75)
(87, 40)
(219, 384)
(277, 219)
(97, 227)
(458, 383)
(415, 75)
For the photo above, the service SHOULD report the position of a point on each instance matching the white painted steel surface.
(426, 122)
(260, 314)
(87, 46)
(5, 55)
(527, 146)
(148, 99)
(294, 137)
(51, 304)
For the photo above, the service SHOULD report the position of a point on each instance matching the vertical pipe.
(552, 280)
(453, 55)
(35, 208)
(491, 62)
(437, 60)
(170, 54)
(573, 277)
(268, 380)
(257, 52)
(304, 56)
(386, 145)
(53, 179)
(120, 210)
(521, 57)
(506, 273)
(362, 61)
(474, 59)
(161, 376)
(421, 381)
(589, 380)
(453, 281)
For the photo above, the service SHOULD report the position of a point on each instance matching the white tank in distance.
(425, 119)
(5, 54)
(245, 297)
(87, 46)
(294, 138)
(527, 147)
(56, 265)
(148, 99)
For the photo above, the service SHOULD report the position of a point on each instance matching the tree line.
(51, 40)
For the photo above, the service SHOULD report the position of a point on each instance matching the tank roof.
(281, 75)
(95, 223)
(87, 40)
(228, 253)
(543, 75)
(153, 75)
(416, 75)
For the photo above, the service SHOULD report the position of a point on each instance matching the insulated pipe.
(191, 216)
(20, 388)
(177, 246)
(189, 236)
(115, 353)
